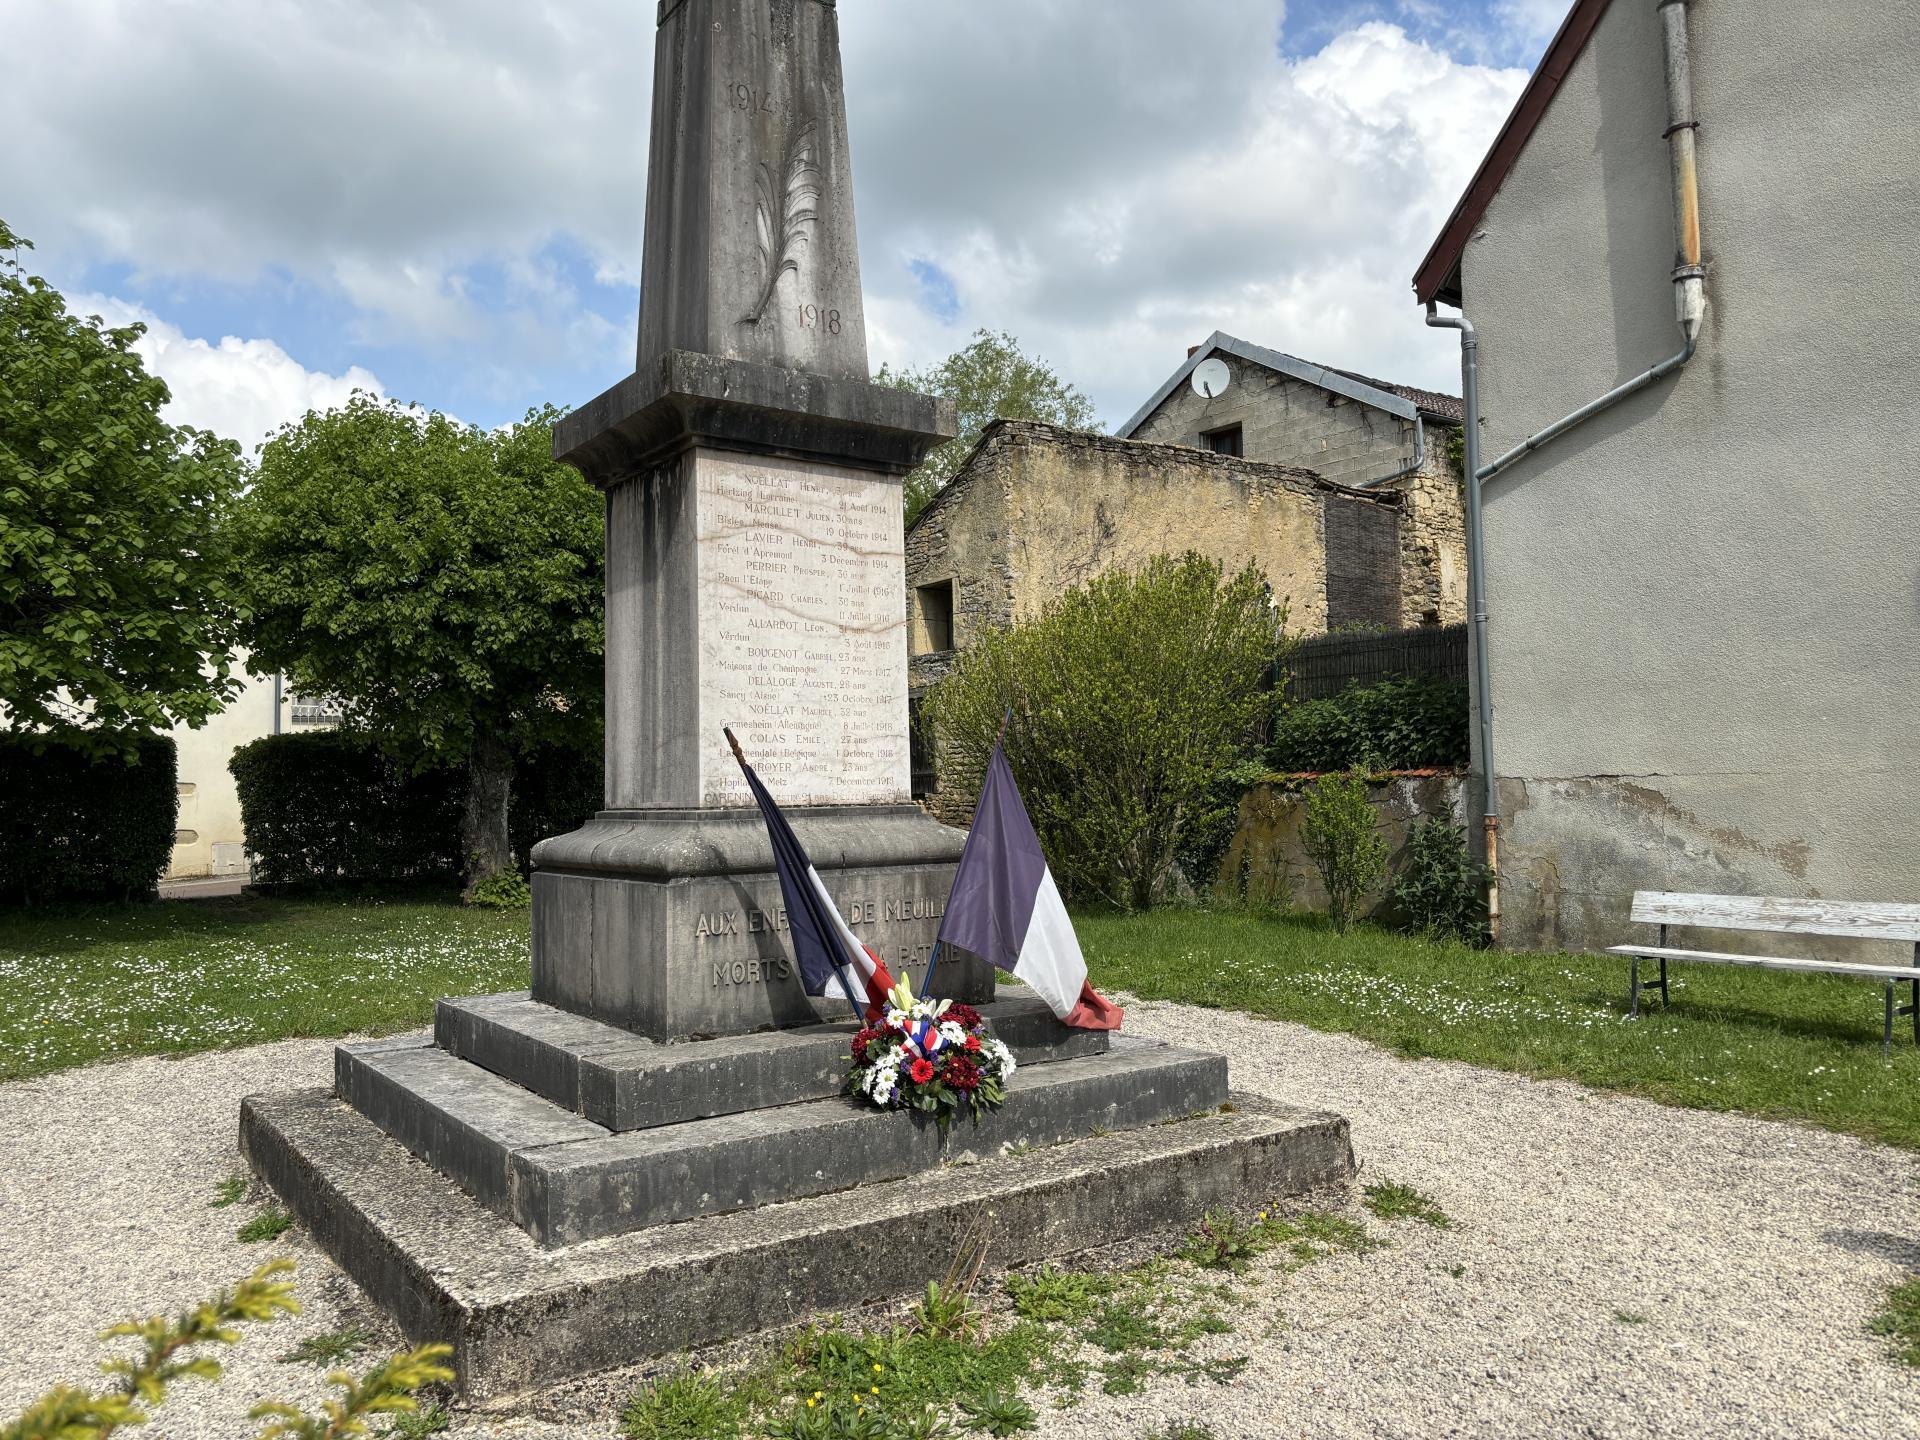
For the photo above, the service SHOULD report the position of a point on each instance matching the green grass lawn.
(1803, 1047)
(85, 983)
(99, 982)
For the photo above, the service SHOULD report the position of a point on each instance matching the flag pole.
(839, 967)
(933, 963)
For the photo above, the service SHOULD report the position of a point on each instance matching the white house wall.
(1705, 605)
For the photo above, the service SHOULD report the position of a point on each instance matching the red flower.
(921, 1072)
(971, 1044)
(965, 1016)
(962, 1073)
(862, 1040)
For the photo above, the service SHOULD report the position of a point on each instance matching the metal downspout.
(1477, 598)
(1690, 304)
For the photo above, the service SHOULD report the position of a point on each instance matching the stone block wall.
(1266, 861)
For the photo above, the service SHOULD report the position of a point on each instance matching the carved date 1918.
(818, 317)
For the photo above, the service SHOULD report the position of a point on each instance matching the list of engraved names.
(803, 638)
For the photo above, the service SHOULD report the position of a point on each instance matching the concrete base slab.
(520, 1317)
(623, 1081)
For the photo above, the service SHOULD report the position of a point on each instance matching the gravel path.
(1746, 1256)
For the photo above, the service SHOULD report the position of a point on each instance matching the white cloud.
(242, 389)
(1108, 182)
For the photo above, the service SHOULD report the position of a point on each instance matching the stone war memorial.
(650, 1150)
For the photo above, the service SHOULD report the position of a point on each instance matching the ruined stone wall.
(1433, 540)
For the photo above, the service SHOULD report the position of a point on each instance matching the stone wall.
(1039, 509)
(1267, 863)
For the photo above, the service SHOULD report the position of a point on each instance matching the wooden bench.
(1851, 919)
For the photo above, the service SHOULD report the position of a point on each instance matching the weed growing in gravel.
(1899, 1321)
(269, 1224)
(1224, 1243)
(689, 1406)
(1183, 1430)
(998, 1412)
(952, 1363)
(1392, 1201)
(427, 1420)
(228, 1192)
(1629, 1317)
(331, 1348)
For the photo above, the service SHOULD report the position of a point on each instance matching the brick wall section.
(1291, 422)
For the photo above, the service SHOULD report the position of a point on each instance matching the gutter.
(1690, 303)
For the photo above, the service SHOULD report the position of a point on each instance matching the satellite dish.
(1211, 377)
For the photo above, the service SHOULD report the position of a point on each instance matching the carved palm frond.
(786, 208)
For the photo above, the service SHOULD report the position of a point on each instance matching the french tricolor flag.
(1006, 909)
(832, 960)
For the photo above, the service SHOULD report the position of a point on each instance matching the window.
(936, 617)
(1363, 564)
(1225, 441)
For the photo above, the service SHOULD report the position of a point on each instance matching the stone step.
(623, 1081)
(520, 1318)
(566, 1180)
(466, 1123)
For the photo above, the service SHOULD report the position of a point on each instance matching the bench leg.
(1666, 995)
(1915, 1008)
(1886, 1040)
(1633, 999)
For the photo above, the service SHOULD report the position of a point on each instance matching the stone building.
(1038, 509)
(1704, 602)
(1352, 430)
(1338, 487)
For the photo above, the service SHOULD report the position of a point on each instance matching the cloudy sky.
(441, 200)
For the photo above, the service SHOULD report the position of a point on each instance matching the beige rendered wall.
(1705, 604)
(207, 835)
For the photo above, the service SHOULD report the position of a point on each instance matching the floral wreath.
(934, 1056)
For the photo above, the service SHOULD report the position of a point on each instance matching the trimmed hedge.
(328, 806)
(1405, 724)
(75, 828)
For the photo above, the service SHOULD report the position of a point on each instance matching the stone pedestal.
(650, 1149)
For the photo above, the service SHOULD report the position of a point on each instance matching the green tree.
(115, 617)
(1129, 698)
(989, 380)
(441, 582)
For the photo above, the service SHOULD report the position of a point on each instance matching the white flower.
(1003, 1055)
(952, 1033)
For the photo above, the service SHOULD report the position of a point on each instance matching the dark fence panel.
(1328, 664)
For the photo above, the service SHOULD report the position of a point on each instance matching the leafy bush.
(1128, 698)
(328, 806)
(1405, 724)
(76, 827)
(1441, 892)
(506, 891)
(1344, 842)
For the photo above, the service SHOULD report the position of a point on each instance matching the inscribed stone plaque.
(803, 632)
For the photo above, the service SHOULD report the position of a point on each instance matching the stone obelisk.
(755, 576)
